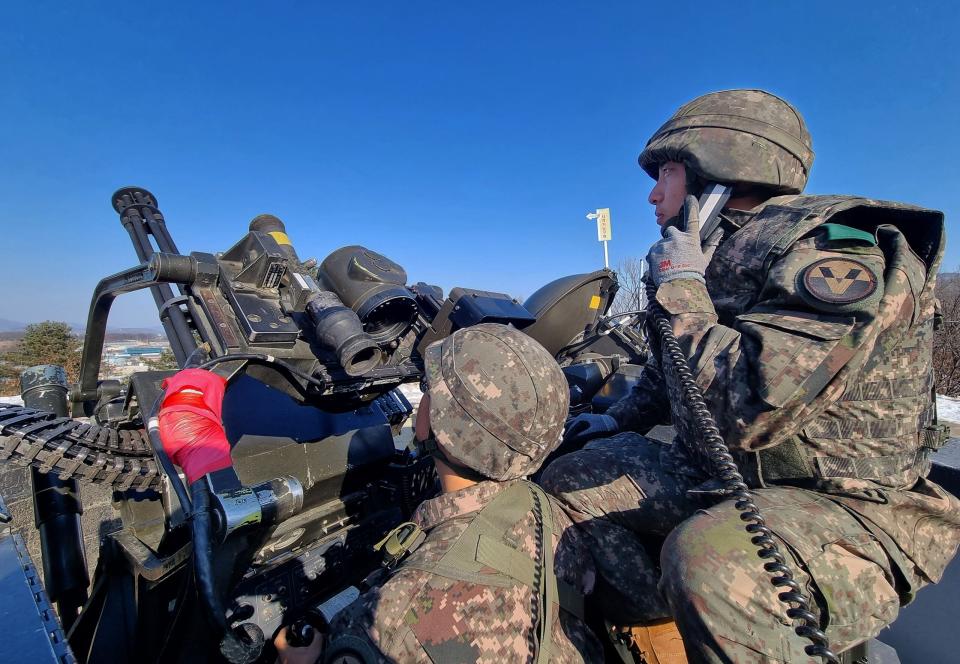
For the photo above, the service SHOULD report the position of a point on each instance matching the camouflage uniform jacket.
(418, 616)
(812, 341)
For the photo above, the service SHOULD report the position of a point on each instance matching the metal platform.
(32, 630)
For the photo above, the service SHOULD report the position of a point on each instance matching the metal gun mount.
(320, 472)
(312, 358)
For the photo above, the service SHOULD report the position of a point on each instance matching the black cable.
(103, 404)
(725, 469)
(153, 433)
(200, 531)
(238, 646)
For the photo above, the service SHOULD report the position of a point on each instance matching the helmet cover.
(498, 400)
(736, 137)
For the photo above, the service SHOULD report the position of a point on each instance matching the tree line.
(53, 342)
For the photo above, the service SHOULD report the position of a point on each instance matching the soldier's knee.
(562, 475)
(590, 485)
(681, 556)
(706, 557)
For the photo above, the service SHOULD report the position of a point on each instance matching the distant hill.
(10, 328)
(133, 331)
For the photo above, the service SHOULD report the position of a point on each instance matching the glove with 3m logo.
(678, 254)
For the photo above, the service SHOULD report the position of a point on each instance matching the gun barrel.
(141, 218)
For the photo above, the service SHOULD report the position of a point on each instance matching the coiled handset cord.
(726, 471)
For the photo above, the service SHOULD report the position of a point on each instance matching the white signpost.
(604, 231)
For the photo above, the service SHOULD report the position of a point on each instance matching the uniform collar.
(447, 506)
(737, 218)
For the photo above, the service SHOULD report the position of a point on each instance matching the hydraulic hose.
(725, 469)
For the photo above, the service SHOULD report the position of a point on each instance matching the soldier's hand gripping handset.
(678, 255)
(291, 652)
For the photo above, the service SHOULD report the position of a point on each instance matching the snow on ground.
(15, 400)
(948, 409)
(412, 392)
(404, 440)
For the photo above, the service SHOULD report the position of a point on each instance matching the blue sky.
(466, 141)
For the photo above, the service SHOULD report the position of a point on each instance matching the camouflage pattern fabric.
(498, 400)
(417, 616)
(808, 390)
(614, 489)
(741, 136)
(725, 606)
(712, 583)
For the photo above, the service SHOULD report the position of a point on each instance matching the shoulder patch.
(839, 281)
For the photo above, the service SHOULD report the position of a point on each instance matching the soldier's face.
(668, 194)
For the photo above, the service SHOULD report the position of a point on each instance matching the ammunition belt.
(78, 450)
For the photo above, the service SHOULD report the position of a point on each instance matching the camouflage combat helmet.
(498, 400)
(736, 136)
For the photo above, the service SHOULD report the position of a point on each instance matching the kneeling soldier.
(501, 573)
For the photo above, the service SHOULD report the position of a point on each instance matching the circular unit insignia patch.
(839, 280)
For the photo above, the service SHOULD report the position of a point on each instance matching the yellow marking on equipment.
(594, 301)
(280, 237)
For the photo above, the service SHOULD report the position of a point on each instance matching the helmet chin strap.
(712, 200)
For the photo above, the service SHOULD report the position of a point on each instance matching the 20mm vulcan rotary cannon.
(313, 356)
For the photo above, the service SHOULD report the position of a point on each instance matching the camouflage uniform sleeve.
(646, 404)
(790, 355)
(373, 628)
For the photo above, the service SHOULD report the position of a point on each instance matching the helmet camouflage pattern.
(498, 400)
(736, 136)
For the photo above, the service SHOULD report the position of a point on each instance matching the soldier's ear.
(695, 183)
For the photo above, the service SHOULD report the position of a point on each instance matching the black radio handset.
(711, 201)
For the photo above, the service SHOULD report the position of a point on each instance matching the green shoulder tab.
(836, 232)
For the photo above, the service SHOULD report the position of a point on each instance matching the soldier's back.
(433, 609)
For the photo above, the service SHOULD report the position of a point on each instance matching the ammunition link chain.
(725, 469)
(78, 450)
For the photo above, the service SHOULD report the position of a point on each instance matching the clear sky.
(464, 140)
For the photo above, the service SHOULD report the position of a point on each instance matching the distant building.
(141, 351)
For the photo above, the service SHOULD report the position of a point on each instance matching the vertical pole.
(606, 256)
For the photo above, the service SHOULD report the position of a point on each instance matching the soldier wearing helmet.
(807, 321)
(491, 570)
